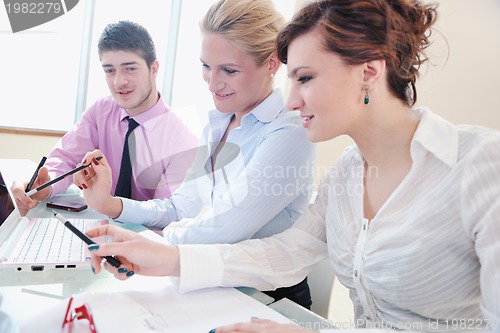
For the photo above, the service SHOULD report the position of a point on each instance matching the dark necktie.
(124, 184)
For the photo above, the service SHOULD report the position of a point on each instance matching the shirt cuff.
(131, 213)
(201, 267)
(58, 187)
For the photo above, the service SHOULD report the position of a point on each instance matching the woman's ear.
(273, 64)
(374, 71)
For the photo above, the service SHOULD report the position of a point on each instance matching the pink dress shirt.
(161, 148)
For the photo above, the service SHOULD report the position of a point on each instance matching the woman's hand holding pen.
(96, 183)
(137, 254)
(24, 202)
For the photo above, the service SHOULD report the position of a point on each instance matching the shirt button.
(355, 273)
(364, 226)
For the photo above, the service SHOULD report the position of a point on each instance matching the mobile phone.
(72, 206)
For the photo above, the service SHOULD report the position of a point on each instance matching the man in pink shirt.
(157, 145)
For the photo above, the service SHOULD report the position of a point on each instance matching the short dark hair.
(127, 36)
(364, 30)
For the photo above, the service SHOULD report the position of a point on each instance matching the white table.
(25, 295)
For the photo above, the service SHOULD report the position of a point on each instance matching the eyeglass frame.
(81, 312)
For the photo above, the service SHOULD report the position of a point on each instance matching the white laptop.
(42, 244)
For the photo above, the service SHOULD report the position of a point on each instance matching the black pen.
(33, 178)
(61, 177)
(110, 259)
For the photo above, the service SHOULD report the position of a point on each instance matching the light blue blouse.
(260, 184)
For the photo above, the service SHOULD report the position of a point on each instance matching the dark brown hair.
(363, 30)
(129, 37)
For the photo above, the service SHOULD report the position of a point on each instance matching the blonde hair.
(252, 25)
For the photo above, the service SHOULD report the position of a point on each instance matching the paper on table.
(6, 323)
(164, 310)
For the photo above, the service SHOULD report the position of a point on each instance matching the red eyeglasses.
(81, 312)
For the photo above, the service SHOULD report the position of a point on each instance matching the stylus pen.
(33, 178)
(110, 259)
(61, 177)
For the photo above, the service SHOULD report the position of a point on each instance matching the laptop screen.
(6, 204)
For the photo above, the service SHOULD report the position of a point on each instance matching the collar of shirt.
(268, 109)
(149, 118)
(265, 112)
(436, 135)
(433, 134)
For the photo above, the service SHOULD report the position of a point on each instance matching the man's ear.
(154, 67)
(374, 71)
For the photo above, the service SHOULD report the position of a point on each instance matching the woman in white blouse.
(409, 215)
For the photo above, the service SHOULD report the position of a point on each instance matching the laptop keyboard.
(50, 241)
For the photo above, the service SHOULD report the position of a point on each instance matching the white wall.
(465, 87)
(25, 146)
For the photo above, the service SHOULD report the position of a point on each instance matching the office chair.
(320, 281)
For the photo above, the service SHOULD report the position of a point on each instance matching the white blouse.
(428, 260)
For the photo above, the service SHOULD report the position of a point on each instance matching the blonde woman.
(252, 177)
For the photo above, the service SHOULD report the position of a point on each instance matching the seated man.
(155, 147)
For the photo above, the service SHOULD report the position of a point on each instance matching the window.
(42, 65)
(140, 12)
(40, 72)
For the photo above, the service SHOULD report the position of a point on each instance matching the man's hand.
(25, 203)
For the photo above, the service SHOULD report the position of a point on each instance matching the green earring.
(367, 99)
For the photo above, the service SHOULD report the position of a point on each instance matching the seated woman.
(252, 176)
